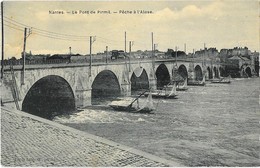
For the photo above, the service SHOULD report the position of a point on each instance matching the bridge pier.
(83, 98)
(153, 83)
(191, 75)
(126, 89)
(204, 71)
(191, 72)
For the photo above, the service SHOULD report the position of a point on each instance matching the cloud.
(12, 51)
(213, 11)
(49, 51)
(173, 23)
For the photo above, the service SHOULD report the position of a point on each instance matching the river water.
(213, 125)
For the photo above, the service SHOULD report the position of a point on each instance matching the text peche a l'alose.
(144, 12)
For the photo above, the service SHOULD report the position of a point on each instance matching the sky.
(218, 23)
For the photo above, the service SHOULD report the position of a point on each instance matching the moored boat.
(168, 92)
(222, 80)
(134, 105)
(182, 87)
(197, 83)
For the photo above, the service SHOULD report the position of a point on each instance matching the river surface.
(213, 125)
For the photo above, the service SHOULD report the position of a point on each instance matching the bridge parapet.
(96, 60)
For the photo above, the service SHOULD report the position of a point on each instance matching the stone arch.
(215, 69)
(216, 72)
(162, 76)
(257, 67)
(48, 97)
(222, 72)
(198, 73)
(210, 74)
(248, 72)
(139, 80)
(105, 87)
(182, 70)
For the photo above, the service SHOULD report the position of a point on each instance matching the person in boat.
(137, 101)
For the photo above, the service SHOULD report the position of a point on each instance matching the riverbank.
(31, 141)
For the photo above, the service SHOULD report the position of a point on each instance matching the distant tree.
(171, 52)
(13, 58)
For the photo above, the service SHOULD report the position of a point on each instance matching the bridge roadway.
(28, 140)
(17, 65)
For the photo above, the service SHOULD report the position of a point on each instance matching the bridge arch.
(162, 76)
(222, 72)
(198, 73)
(104, 87)
(48, 97)
(139, 80)
(248, 72)
(182, 70)
(210, 74)
(216, 72)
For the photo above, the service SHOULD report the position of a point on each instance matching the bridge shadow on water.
(103, 101)
(49, 97)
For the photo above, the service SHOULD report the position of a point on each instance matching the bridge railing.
(33, 62)
(101, 59)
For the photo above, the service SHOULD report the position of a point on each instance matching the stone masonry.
(28, 140)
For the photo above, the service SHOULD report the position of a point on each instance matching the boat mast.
(176, 56)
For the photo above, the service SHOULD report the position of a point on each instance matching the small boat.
(79, 109)
(134, 105)
(222, 80)
(182, 87)
(197, 83)
(168, 91)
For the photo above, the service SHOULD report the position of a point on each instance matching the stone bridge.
(247, 70)
(64, 87)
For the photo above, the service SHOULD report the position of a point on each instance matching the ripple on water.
(205, 126)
